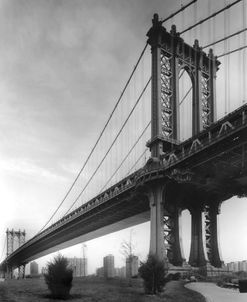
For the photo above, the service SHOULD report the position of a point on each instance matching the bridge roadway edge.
(154, 171)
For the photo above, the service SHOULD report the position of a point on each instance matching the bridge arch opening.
(232, 229)
(186, 232)
(185, 104)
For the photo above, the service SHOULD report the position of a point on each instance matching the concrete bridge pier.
(157, 246)
(211, 233)
(197, 256)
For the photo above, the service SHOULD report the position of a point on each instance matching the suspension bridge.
(175, 140)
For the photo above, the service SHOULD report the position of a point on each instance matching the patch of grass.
(95, 290)
(176, 292)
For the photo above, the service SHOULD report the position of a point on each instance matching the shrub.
(242, 286)
(153, 273)
(176, 276)
(59, 277)
(168, 277)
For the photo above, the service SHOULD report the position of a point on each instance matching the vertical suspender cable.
(195, 19)
(134, 120)
(210, 21)
(214, 31)
(244, 6)
(226, 61)
(240, 79)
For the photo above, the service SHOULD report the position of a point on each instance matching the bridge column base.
(21, 271)
(172, 236)
(211, 233)
(9, 273)
(157, 246)
(197, 255)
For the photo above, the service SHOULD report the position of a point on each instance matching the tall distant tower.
(79, 266)
(84, 260)
(109, 269)
(132, 264)
(34, 269)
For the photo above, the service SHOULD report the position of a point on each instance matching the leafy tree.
(153, 273)
(59, 277)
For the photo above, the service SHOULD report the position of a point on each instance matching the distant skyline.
(63, 64)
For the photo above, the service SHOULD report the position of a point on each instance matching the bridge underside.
(213, 181)
(216, 174)
(117, 226)
(198, 179)
(105, 219)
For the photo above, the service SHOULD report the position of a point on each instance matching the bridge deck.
(212, 163)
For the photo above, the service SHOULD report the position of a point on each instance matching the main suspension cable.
(211, 16)
(101, 133)
(137, 161)
(125, 87)
(232, 51)
(225, 38)
(127, 155)
(109, 149)
(178, 11)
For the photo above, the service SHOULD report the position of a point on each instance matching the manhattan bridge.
(174, 141)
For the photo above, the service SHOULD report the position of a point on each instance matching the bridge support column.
(21, 271)
(157, 246)
(197, 255)
(9, 273)
(211, 232)
(172, 236)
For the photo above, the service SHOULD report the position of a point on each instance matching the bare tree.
(128, 251)
(127, 247)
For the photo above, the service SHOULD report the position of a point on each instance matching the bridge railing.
(226, 126)
(213, 134)
(117, 189)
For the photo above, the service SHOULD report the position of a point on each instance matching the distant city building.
(44, 270)
(237, 266)
(100, 272)
(243, 266)
(34, 268)
(132, 264)
(120, 272)
(79, 266)
(109, 269)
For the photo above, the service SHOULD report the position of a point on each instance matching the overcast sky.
(63, 65)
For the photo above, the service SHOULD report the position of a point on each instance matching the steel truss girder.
(172, 239)
(206, 110)
(166, 95)
(211, 211)
(21, 271)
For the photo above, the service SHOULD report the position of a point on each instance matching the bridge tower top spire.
(170, 57)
